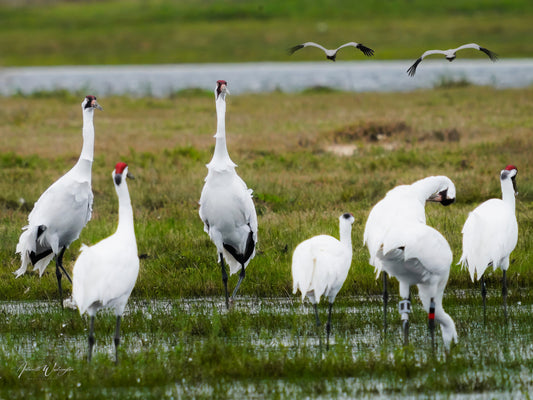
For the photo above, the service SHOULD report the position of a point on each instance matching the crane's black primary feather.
(367, 51)
(250, 246)
(295, 48)
(492, 56)
(412, 69)
(242, 258)
(34, 258)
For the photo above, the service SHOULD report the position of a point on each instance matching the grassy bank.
(164, 31)
(178, 339)
(286, 146)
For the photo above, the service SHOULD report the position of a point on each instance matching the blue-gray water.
(357, 76)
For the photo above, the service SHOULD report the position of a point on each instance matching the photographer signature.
(45, 369)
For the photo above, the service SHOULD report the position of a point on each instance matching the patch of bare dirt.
(370, 131)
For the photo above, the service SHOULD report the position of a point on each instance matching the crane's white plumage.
(226, 205)
(404, 202)
(63, 209)
(320, 266)
(450, 55)
(490, 232)
(332, 54)
(104, 274)
(402, 245)
(417, 254)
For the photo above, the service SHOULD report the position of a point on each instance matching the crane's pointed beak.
(95, 104)
(442, 198)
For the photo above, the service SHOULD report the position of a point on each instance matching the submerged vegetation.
(263, 348)
(267, 346)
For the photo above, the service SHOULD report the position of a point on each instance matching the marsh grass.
(300, 188)
(267, 346)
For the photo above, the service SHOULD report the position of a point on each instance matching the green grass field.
(165, 31)
(308, 157)
(301, 185)
(178, 339)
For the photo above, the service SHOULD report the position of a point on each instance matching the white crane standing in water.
(404, 206)
(417, 254)
(104, 274)
(226, 205)
(490, 234)
(320, 266)
(62, 211)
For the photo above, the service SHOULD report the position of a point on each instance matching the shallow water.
(354, 76)
(494, 355)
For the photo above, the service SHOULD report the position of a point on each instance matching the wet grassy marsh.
(178, 340)
(265, 347)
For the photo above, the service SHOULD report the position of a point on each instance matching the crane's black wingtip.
(493, 56)
(412, 69)
(367, 51)
(295, 48)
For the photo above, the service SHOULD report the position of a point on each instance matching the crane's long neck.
(125, 213)
(424, 188)
(85, 162)
(508, 194)
(221, 158)
(447, 325)
(87, 151)
(346, 234)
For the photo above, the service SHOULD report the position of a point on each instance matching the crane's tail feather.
(25, 246)
(30, 238)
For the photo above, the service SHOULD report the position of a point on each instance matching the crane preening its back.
(226, 205)
(320, 266)
(104, 274)
(490, 234)
(62, 210)
(402, 245)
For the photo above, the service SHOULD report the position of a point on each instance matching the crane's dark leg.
(241, 277)
(91, 338)
(224, 279)
(385, 301)
(59, 268)
(117, 338)
(431, 322)
(60, 258)
(328, 326)
(504, 293)
(484, 296)
(316, 315)
(317, 326)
